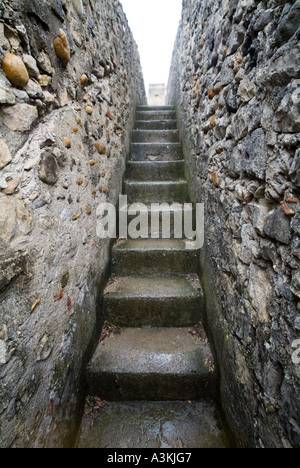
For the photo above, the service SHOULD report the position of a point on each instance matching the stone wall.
(235, 80)
(68, 95)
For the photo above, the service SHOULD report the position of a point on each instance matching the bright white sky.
(154, 24)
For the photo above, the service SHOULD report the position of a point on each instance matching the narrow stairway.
(151, 380)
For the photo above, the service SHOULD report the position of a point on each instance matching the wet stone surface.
(152, 425)
(152, 364)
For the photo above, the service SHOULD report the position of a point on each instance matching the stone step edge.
(153, 121)
(134, 293)
(161, 163)
(155, 108)
(118, 248)
(156, 183)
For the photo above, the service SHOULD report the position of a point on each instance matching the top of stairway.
(155, 108)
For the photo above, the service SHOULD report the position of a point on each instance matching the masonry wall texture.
(68, 95)
(235, 81)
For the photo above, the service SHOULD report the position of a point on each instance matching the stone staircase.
(154, 369)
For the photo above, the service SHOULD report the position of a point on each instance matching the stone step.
(156, 125)
(152, 425)
(156, 151)
(154, 256)
(155, 136)
(155, 108)
(163, 221)
(156, 364)
(155, 171)
(153, 192)
(157, 301)
(156, 115)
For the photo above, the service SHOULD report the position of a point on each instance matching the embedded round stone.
(62, 48)
(15, 70)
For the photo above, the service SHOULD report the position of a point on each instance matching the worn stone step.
(155, 171)
(156, 125)
(156, 151)
(155, 364)
(163, 221)
(154, 256)
(156, 115)
(153, 425)
(155, 108)
(155, 136)
(157, 301)
(152, 192)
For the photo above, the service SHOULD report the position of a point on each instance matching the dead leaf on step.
(58, 296)
(37, 302)
(112, 280)
(76, 216)
(198, 330)
(108, 330)
(109, 115)
(93, 404)
(69, 302)
(210, 365)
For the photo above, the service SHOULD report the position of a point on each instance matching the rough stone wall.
(64, 139)
(235, 80)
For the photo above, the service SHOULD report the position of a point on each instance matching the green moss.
(64, 279)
